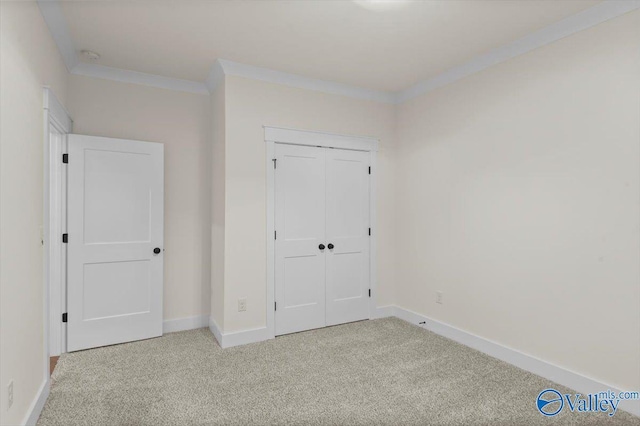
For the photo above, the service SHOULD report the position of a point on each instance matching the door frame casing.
(54, 224)
(273, 135)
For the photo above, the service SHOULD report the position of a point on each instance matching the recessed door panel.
(346, 210)
(348, 278)
(116, 196)
(301, 285)
(115, 221)
(116, 288)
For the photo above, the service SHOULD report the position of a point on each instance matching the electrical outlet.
(10, 394)
(439, 296)
(242, 305)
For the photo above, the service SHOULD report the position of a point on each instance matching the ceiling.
(381, 48)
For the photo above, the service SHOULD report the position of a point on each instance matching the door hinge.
(65, 158)
(275, 160)
(65, 238)
(64, 317)
(369, 169)
(275, 235)
(369, 292)
(369, 231)
(275, 306)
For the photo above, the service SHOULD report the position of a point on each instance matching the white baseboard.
(182, 324)
(37, 405)
(215, 330)
(526, 362)
(228, 340)
(512, 356)
(245, 337)
(384, 311)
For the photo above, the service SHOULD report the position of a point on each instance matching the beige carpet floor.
(382, 372)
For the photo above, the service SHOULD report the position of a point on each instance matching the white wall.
(515, 191)
(518, 197)
(250, 104)
(29, 60)
(182, 122)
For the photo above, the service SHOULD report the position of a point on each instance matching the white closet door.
(300, 230)
(115, 226)
(347, 235)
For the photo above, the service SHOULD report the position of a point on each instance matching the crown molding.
(135, 77)
(52, 13)
(53, 16)
(300, 82)
(581, 21)
(215, 77)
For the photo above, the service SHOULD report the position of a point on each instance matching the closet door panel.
(347, 235)
(300, 229)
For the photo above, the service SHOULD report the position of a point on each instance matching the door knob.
(157, 250)
(330, 246)
(321, 246)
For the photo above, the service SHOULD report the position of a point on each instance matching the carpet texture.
(381, 372)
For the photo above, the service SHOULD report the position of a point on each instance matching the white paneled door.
(115, 241)
(347, 235)
(300, 234)
(321, 237)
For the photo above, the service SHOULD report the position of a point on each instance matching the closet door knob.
(321, 246)
(330, 246)
(157, 250)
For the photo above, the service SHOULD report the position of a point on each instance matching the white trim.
(273, 135)
(52, 13)
(237, 338)
(384, 311)
(144, 79)
(55, 253)
(33, 413)
(512, 356)
(373, 237)
(215, 77)
(313, 138)
(215, 330)
(245, 337)
(300, 82)
(54, 225)
(271, 244)
(183, 324)
(54, 17)
(581, 21)
(57, 111)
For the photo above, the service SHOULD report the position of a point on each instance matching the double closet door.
(322, 229)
